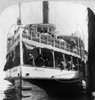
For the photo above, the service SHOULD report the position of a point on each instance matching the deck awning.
(28, 47)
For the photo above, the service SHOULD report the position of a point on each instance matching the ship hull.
(27, 89)
(57, 87)
(41, 82)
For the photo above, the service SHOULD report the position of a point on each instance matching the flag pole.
(19, 10)
(19, 17)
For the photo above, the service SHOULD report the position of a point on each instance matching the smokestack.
(45, 11)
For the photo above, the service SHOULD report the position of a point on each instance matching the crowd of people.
(65, 65)
(40, 61)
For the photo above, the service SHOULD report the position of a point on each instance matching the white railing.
(49, 40)
(42, 38)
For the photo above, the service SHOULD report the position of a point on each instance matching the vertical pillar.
(53, 59)
(39, 50)
(21, 49)
(21, 62)
(64, 58)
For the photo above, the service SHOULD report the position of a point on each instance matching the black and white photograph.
(47, 49)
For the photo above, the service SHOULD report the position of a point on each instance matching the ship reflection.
(74, 97)
(11, 95)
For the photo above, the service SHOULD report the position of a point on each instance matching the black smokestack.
(45, 11)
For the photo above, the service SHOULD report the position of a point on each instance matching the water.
(69, 95)
(66, 96)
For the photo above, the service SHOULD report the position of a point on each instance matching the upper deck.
(41, 35)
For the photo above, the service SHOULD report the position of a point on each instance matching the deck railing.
(44, 38)
(50, 40)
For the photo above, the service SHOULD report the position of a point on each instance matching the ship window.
(68, 59)
(45, 30)
(30, 54)
(47, 55)
(35, 29)
(39, 29)
(59, 60)
(74, 60)
(50, 29)
(45, 58)
(75, 63)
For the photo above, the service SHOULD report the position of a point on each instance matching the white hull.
(41, 73)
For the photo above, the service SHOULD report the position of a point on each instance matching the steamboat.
(39, 60)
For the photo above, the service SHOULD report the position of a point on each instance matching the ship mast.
(19, 18)
(45, 12)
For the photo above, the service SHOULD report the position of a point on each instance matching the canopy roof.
(42, 25)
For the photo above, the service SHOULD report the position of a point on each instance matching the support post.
(53, 59)
(21, 62)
